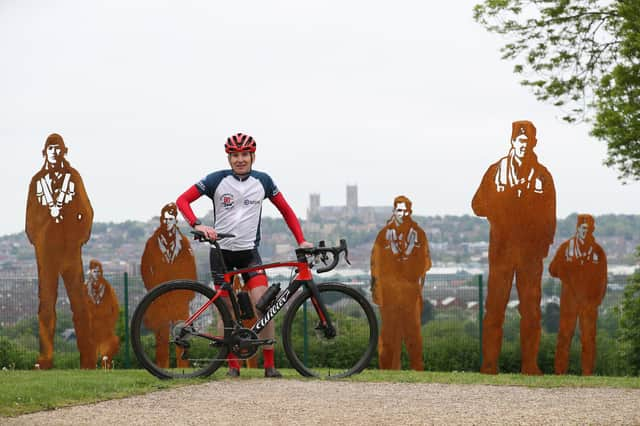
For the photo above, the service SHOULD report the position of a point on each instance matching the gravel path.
(321, 402)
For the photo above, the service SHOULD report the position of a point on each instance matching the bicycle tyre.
(349, 352)
(156, 315)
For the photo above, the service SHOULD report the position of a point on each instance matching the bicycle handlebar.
(321, 252)
(200, 236)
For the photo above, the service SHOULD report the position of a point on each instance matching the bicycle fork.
(325, 320)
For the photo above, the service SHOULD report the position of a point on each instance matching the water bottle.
(244, 301)
(268, 297)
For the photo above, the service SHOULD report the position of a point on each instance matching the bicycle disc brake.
(326, 334)
(244, 343)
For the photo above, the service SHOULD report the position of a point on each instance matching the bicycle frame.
(303, 278)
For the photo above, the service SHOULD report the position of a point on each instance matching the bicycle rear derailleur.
(181, 334)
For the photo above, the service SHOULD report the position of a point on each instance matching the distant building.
(314, 204)
(352, 201)
(350, 211)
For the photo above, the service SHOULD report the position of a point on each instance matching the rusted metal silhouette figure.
(399, 261)
(518, 198)
(104, 309)
(167, 256)
(581, 265)
(58, 222)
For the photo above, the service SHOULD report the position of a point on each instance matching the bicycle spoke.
(165, 345)
(317, 351)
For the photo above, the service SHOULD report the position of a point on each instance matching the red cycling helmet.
(240, 143)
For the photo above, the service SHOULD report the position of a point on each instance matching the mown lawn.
(29, 391)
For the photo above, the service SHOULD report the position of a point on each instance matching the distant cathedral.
(367, 214)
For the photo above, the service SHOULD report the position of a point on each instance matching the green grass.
(466, 378)
(28, 391)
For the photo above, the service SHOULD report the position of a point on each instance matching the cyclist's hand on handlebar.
(306, 244)
(208, 231)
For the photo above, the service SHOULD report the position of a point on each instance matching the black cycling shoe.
(272, 372)
(233, 372)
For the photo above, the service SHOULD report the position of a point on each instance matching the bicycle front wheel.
(165, 346)
(313, 351)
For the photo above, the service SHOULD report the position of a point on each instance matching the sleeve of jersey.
(288, 215)
(184, 203)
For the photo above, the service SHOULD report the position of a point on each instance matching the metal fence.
(451, 325)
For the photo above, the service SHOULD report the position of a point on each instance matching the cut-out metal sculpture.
(517, 196)
(399, 261)
(58, 222)
(167, 256)
(104, 309)
(581, 264)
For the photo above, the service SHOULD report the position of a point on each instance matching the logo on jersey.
(250, 202)
(227, 200)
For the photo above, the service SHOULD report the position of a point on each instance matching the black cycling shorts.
(234, 260)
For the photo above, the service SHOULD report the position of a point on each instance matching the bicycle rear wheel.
(168, 349)
(312, 351)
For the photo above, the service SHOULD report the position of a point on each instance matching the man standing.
(58, 222)
(517, 196)
(399, 261)
(237, 196)
(167, 256)
(104, 309)
(581, 265)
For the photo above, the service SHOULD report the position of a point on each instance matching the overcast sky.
(403, 97)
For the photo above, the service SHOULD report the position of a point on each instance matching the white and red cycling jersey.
(237, 206)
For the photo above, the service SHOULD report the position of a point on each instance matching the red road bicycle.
(183, 328)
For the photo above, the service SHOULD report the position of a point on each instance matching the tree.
(550, 288)
(630, 322)
(428, 312)
(584, 57)
(551, 318)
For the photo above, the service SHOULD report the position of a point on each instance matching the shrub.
(12, 357)
(452, 353)
(551, 318)
(630, 323)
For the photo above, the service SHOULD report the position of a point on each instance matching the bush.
(428, 312)
(67, 360)
(119, 359)
(451, 345)
(609, 360)
(11, 357)
(453, 353)
(551, 318)
(609, 322)
(509, 361)
(630, 323)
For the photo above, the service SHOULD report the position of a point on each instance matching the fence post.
(480, 311)
(127, 359)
